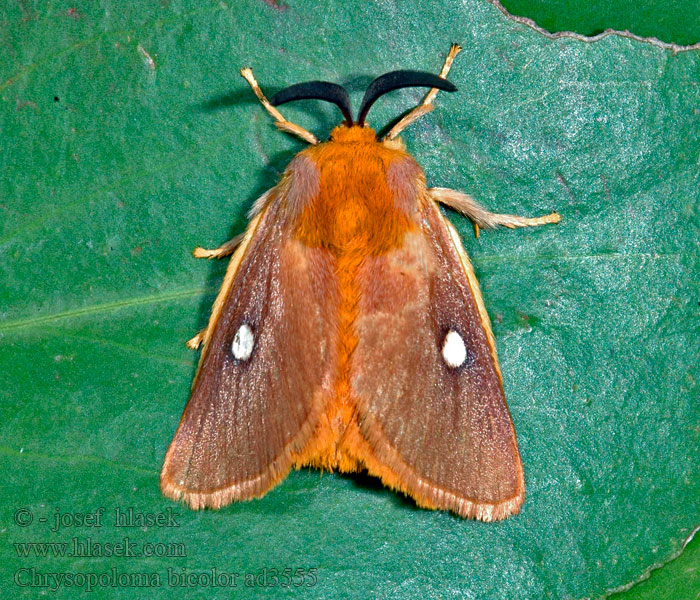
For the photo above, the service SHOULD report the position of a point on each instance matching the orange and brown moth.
(349, 333)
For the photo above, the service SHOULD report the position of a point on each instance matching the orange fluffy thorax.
(355, 209)
(360, 211)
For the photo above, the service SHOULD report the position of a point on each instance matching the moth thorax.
(243, 342)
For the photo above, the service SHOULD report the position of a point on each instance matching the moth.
(349, 333)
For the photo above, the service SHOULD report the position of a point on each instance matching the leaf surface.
(129, 138)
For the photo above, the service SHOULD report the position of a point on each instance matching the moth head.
(338, 95)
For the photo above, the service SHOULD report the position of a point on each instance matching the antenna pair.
(332, 92)
(338, 95)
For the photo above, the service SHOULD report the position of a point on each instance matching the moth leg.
(224, 250)
(427, 105)
(196, 341)
(280, 121)
(481, 217)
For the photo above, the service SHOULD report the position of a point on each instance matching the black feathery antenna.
(317, 90)
(399, 79)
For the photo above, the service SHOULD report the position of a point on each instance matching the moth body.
(361, 202)
(350, 334)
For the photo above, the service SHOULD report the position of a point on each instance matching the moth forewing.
(468, 270)
(225, 289)
(244, 424)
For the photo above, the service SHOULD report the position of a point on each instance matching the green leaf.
(678, 579)
(129, 138)
(675, 22)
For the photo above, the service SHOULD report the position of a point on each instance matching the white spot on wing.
(454, 352)
(242, 346)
